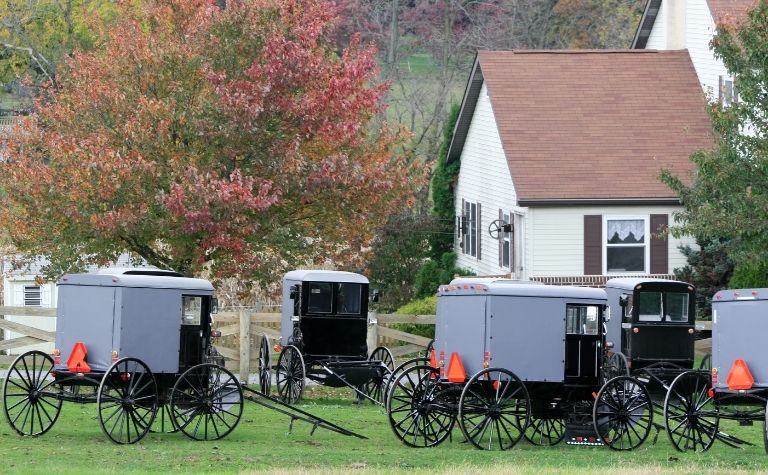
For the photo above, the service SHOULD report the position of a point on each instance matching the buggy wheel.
(206, 402)
(418, 361)
(290, 374)
(376, 387)
(623, 413)
(706, 362)
(494, 409)
(420, 410)
(30, 396)
(127, 401)
(614, 365)
(163, 423)
(545, 431)
(265, 379)
(690, 413)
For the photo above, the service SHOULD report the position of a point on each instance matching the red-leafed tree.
(234, 141)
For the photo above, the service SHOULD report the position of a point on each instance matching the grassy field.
(261, 443)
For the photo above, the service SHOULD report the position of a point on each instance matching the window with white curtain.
(626, 244)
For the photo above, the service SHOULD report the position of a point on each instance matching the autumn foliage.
(236, 141)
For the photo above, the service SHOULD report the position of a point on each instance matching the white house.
(568, 146)
(690, 24)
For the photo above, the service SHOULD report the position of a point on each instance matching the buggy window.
(319, 297)
(348, 297)
(192, 310)
(650, 308)
(663, 307)
(581, 319)
(676, 308)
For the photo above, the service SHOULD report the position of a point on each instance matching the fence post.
(372, 338)
(245, 345)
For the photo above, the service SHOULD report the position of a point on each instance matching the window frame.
(646, 244)
(469, 228)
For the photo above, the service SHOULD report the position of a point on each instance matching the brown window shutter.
(659, 246)
(593, 244)
(501, 240)
(479, 233)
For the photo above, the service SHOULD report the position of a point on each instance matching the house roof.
(721, 10)
(593, 125)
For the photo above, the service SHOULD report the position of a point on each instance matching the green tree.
(728, 197)
(709, 269)
(443, 198)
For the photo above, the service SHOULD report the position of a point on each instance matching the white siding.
(484, 178)
(557, 237)
(14, 297)
(699, 31)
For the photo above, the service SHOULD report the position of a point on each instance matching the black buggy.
(138, 344)
(324, 337)
(518, 360)
(652, 330)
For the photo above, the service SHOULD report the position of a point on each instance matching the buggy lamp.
(635, 330)
(690, 331)
(278, 348)
(115, 355)
(215, 333)
(56, 356)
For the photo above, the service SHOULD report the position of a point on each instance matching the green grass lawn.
(261, 443)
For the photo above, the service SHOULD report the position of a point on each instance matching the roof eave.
(468, 103)
(645, 26)
(542, 202)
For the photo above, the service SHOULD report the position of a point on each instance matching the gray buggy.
(138, 344)
(324, 338)
(515, 360)
(736, 387)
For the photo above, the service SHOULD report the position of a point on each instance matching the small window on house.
(506, 243)
(469, 229)
(625, 245)
(32, 296)
(727, 94)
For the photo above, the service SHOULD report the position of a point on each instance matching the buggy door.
(195, 328)
(582, 344)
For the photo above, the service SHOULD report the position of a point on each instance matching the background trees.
(235, 141)
(727, 200)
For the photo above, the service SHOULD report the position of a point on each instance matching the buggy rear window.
(320, 297)
(192, 310)
(348, 298)
(663, 307)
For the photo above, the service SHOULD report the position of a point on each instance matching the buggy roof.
(303, 275)
(146, 278)
(519, 289)
(629, 283)
(732, 295)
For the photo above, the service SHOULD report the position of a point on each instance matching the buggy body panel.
(521, 326)
(739, 326)
(648, 338)
(136, 315)
(330, 310)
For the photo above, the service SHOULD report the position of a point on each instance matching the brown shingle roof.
(579, 124)
(736, 9)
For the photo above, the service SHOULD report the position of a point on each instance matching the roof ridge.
(582, 51)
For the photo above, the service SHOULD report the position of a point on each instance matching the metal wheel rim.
(545, 432)
(33, 399)
(127, 401)
(417, 414)
(206, 402)
(622, 407)
(265, 380)
(690, 414)
(418, 361)
(290, 374)
(494, 409)
(377, 387)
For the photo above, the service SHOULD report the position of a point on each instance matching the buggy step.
(295, 413)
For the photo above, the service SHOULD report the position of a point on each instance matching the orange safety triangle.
(432, 359)
(740, 377)
(76, 361)
(456, 372)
